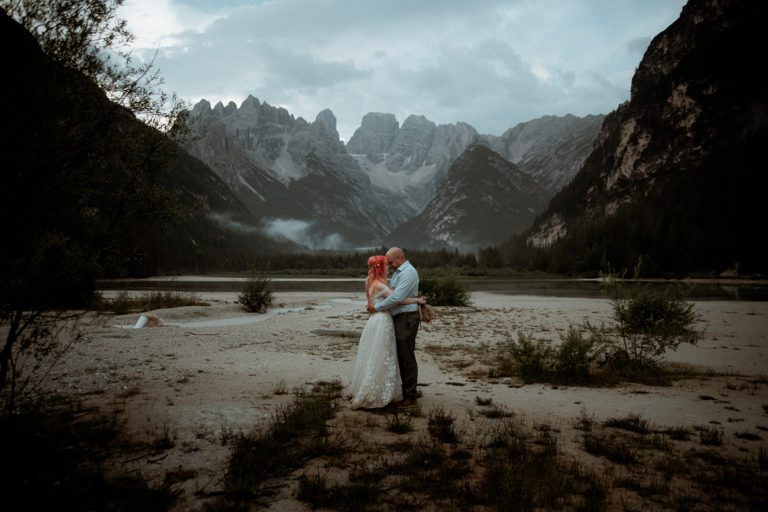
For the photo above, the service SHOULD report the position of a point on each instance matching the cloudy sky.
(490, 63)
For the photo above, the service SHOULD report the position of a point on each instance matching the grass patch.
(521, 475)
(483, 401)
(679, 433)
(631, 422)
(441, 426)
(646, 485)
(399, 424)
(497, 411)
(507, 466)
(164, 440)
(584, 422)
(358, 494)
(279, 388)
(54, 454)
(297, 431)
(711, 436)
(602, 445)
(124, 303)
(748, 436)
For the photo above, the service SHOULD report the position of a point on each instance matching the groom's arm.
(404, 284)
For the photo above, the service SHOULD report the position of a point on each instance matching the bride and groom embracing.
(385, 370)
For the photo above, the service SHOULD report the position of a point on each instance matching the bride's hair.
(377, 271)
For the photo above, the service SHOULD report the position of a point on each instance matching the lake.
(587, 288)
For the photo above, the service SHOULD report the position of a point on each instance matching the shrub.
(576, 354)
(444, 289)
(649, 322)
(257, 293)
(529, 359)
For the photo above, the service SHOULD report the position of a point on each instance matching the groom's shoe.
(407, 403)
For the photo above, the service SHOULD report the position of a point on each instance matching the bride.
(376, 375)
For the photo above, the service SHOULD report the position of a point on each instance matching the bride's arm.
(408, 300)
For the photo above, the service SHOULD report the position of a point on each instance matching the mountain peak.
(327, 121)
(484, 201)
(250, 103)
(201, 106)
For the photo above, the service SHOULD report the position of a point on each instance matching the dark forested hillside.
(678, 173)
(90, 191)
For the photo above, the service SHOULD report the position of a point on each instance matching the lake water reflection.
(551, 287)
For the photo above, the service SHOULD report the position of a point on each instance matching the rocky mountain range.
(302, 182)
(550, 149)
(484, 199)
(677, 173)
(295, 176)
(411, 160)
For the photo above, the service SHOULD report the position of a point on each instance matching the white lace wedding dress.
(376, 376)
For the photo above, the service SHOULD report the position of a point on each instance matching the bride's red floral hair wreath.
(377, 271)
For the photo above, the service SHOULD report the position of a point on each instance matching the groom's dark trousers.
(406, 327)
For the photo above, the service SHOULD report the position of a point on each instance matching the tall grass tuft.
(710, 436)
(297, 431)
(483, 401)
(399, 424)
(520, 475)
(630, 422)
(604, 446)
(441, 426)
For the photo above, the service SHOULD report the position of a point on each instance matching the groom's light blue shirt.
(404, 283)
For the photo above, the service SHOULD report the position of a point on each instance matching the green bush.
(576, 354)
(444, 288)
(257, 293)
(649, 322)
(529, 359)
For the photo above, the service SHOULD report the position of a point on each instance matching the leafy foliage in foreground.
(647, 323)
(651, 322)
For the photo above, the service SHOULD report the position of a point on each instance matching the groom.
(404, 283)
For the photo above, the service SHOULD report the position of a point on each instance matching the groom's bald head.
(395, 257)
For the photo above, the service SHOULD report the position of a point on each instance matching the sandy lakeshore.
(205, 370)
